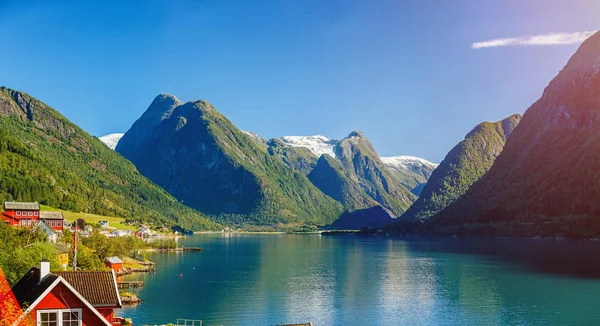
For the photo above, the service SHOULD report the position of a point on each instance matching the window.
(59, 223)
(61, 317)
(35, 213)
(48, 318)
(53, 223)
(70, 318)
(30, 213)
(18, 213)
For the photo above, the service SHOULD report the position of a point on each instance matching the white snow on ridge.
(405, 162)
(111, 140)
(317, 144)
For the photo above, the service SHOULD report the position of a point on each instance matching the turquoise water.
(245, 279)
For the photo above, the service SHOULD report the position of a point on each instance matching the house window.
(18, 213)
(35, 213)
(48, 318)
(30, 213)
(53, 223)
(70, 318)
(61, 317)
(59, 223)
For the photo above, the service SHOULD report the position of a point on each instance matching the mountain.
(201, 158)
(340, 184)
(46, 158)
(111, 140)
(466, 163)
(318, 144)
(545, 181)
(297, 158)
(412, 172)
(358, 156)
(373, 217)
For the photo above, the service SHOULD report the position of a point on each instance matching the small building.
(50, 232)
(20, 213)
(114, 263)
(68, 298)
(55, 220)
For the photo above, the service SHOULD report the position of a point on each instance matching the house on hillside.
(68, 298)
(21, 214)
(29, 215)
(50, 232)
(54, 220)
(114, 263)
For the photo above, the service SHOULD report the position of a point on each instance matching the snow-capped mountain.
(317, 144)
(406, 162)
(111, 140)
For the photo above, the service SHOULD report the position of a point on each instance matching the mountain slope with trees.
(46, 158)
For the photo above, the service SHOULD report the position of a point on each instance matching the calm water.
(348, 280)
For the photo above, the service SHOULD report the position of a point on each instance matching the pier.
(129, 284)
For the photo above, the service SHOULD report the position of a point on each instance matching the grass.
(115, 222)
(132, 263)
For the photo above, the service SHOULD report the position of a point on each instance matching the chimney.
(44, 268)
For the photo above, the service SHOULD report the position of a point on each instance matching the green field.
(115, 222)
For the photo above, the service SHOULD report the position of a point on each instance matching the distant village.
(73, 298)
(24, 214)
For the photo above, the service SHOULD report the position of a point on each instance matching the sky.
(414, 76)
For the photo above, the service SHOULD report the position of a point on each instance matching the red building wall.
(115, 267)
(62, 298)
(14, 219)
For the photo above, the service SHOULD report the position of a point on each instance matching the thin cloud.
(544, 39)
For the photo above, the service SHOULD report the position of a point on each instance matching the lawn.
(115, 222)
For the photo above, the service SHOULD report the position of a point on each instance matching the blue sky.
(403, 72)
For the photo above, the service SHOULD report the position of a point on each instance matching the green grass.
(115, 222)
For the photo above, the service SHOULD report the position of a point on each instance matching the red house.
(54, 220)
(114, 263)
(68, 298)
(21, 214)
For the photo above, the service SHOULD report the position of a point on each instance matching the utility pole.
(75, 248)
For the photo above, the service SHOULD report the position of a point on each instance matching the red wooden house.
(68, 298)
(114, 263)
(54, 220)
(29, 214)
(21, 214)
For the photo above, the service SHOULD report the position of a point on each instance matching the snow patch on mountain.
(111, 140)
(406, 162)
(317, 144)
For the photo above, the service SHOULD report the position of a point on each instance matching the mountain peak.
(356, 133)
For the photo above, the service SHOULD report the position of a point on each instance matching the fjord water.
(249, 279)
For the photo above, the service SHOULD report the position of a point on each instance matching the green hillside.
(201, 158)
(46, 158)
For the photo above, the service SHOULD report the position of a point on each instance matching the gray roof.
(23, 206)
(45, 215)
(114, 260)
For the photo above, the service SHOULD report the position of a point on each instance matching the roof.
(47, 228)
(98, 288)
(22, 206)
(114, 260)
(27, 290)
(51, 215)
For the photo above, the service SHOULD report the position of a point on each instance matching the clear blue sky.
(403, 72)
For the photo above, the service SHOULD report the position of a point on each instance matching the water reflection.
(271, 279)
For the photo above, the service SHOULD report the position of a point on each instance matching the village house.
(114, 263)
(21, 214)
(54, 220)
(30, 215)
(68, 298)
